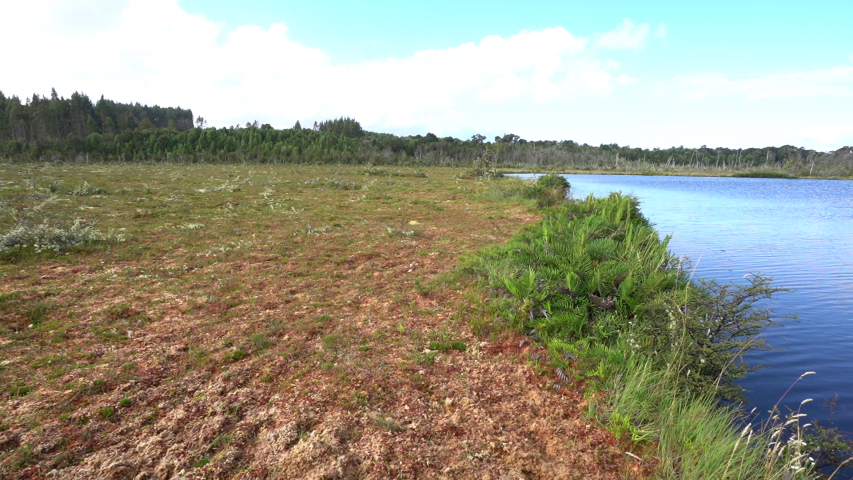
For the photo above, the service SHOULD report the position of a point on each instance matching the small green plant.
(97, 387)
(236, 355)
(260, 342)
(425, 358)
(423, 288)
(36, 313)
(19, 390)
(125, 402)
(445, 346)
(401, 231)
(358, 400)
(387, 423)
(110, 334)
(221, 441)
(107, 413)
(199, 356)
(27, 455)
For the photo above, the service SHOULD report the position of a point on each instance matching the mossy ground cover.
(270, 322)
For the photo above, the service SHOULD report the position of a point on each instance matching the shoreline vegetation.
(758, 172)
(684, 172)
(617, 312)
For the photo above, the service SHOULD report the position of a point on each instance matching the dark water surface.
(800, 233)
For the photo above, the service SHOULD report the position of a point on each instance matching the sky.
(647, 74)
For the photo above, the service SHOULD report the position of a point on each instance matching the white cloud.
(832, 134)
(626, 36)
(625, 80)
(831, 82)
(538, 84)
(152, 51)
(660, 32)
(85, 15)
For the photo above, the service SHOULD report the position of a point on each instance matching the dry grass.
(270, 322)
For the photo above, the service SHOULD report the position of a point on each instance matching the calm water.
(800, 233)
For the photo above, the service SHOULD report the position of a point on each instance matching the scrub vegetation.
(595, 285)
(231, 321)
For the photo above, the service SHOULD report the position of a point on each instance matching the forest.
(58, 129)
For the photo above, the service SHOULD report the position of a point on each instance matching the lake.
(800, 233)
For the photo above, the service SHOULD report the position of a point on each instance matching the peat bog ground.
(270, 322)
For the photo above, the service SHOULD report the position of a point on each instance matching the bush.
(550, 190)
(45, 237)
(552, 180)
(599, 288)
(84, 189)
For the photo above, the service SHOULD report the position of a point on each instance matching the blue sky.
(744, 36)
(650, 74)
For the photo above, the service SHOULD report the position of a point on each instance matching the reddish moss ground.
(288, 337)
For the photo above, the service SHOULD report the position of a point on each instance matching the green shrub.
(550, 190)
(84, 189)
(552, 180)
(46, 237)
(599, 288)
(236, 355)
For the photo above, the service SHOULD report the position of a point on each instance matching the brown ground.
(267, 345)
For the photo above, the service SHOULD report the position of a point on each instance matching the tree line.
(42, 124)
(76, 129)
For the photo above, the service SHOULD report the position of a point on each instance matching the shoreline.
(672, 173)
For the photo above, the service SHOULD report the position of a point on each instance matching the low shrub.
(596, 285)
(46, 237)
(84, 189)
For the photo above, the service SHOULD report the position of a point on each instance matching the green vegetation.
(107, 413)
(76, 130)
(595, 284)
(760, 174)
